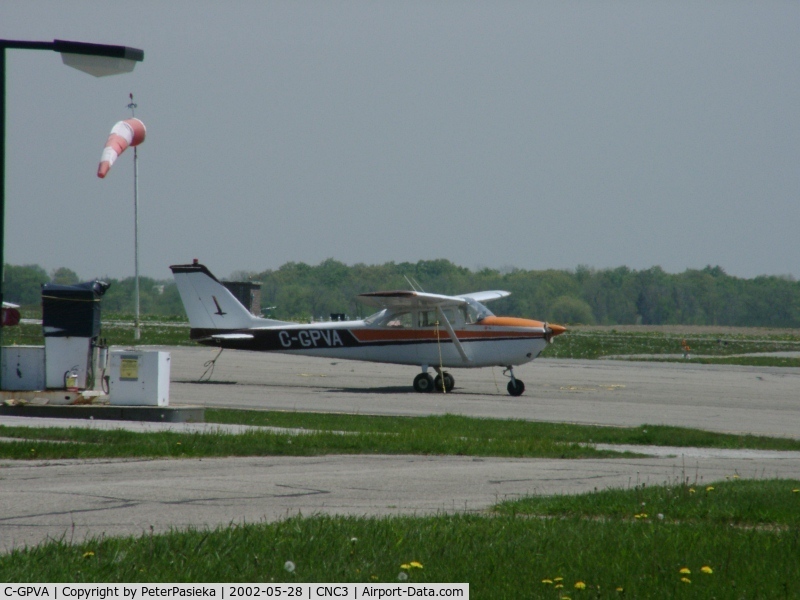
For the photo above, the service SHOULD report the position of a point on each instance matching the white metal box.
(139, 378)
(23, 368)
(67, 362)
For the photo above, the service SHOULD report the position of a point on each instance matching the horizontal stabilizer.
(232, 336)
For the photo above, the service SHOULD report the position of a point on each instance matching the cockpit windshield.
(375, 317)
(476, 311)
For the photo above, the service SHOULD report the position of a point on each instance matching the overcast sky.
(494, 134)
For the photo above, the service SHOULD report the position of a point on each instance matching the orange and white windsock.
(129, 132)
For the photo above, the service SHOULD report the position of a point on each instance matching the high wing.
(411, 299)
(486, 296)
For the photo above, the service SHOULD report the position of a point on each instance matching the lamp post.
(96, 59)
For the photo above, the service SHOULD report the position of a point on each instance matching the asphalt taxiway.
(73, 500)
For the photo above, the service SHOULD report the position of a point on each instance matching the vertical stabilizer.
(209, 304)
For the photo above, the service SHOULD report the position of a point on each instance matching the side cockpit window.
(430, 318)
(399, 320)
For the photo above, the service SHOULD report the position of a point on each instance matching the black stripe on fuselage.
(314, 338)
(278, 339)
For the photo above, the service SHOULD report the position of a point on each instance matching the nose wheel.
(515, 386)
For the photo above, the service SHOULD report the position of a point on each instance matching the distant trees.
(298, 291)
(23, 286)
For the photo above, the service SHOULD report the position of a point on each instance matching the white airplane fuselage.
(484, 345)
(413, 328)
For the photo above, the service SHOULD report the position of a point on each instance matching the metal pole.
(137, 334)
(2, 181)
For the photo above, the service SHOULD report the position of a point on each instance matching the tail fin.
(209, 304)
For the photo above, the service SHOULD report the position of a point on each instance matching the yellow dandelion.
(686, 580)
(685, 571)
(795, 491)
(707, 570)
(415, 564)
(710, 488)
(620, 589)
(88, 554)
(558, 586)
(579, 585)
(547, 581)
(692, 490)
(558, 579)
(405, 566)
(736, 477)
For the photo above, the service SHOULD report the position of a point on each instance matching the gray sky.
(494, 134)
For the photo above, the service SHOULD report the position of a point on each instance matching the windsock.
(129, 132)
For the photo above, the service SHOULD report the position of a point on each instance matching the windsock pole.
(137, 334)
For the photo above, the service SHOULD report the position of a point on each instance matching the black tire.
(449, 383)
(423, 383)
(516, 387)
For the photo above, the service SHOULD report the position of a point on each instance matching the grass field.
(737, 540)
(362, 434)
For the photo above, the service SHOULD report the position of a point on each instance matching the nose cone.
(556, 329)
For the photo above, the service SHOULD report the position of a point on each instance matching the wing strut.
(452, 334)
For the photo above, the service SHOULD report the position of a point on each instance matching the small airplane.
(411, 328)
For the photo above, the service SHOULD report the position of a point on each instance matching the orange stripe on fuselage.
(510, 322)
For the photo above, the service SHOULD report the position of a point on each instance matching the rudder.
(208, 303)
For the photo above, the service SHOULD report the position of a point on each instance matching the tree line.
(298, 291)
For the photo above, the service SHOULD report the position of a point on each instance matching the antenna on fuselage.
(413, 283)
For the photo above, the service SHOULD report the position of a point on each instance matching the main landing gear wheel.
(449, 383)
(423, 383)
(515, 387)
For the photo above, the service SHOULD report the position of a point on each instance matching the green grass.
(87, 443)
(749, 361)
(600, 343)
(500, 556)
(741, 502)
(116, 333)
(432, 435)
(503, 429)
(746, 532)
